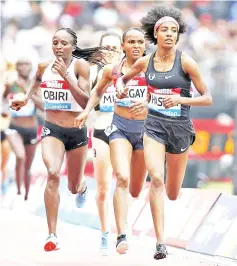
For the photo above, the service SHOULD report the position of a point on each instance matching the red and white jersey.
(137, 87)
(55, 91)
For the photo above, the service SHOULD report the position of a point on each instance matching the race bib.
(56, 99)
(156, 102)
(56, 95)
(107, 101)
(134, 92)
(110, 129)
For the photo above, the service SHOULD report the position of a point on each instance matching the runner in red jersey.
(126, 130)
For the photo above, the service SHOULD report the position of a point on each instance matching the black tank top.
(170, 82)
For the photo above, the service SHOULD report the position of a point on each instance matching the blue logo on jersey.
(57, 106)
(107, 109)
(123, 103)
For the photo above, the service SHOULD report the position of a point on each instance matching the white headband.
(164, 19)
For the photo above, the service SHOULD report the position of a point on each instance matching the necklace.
(159, 59)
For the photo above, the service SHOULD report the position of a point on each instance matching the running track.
(22, 238)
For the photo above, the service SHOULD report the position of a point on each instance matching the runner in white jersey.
(100, 142)
(65, 89)
(126, 130)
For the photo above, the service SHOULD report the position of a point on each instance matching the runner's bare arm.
(100, 88)
(35, 83)
(191, 68)
(6, 91)
(139, 66)
(36, 97)
(81, 90)
(21, 100)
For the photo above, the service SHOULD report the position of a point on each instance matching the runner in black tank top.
(168, 129)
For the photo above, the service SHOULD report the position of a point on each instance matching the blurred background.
(27, 28)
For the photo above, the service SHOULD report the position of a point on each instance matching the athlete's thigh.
(138, 173)
(53, 153)
(176, 167)
(121, 154)
(154, 153)
(76, 162)
(101, 162)
(16, 142)
(5, 152)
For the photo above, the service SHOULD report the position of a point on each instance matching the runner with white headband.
(165, 19)
(168, 128)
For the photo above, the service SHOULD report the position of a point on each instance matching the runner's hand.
(138, 107)
(60, 66)
(121, 90)
(171, 100)
(80, 120)
(19, 100)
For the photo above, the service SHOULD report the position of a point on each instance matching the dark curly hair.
(94, 55)
(148, 22)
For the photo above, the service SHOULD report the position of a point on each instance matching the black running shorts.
(29, 135)
(176, 135)
(100, 134)
(72, 138)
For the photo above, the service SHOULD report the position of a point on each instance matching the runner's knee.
(102, 193)
(157, 180)
(122, 180)
(53, 178)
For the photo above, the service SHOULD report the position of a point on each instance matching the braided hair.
(94, 55)
(126, 32)
(130, 29)
(148, 22)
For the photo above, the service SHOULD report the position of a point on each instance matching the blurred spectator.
(233, 10)
(211, 37)
(106, 15)
(51, 10)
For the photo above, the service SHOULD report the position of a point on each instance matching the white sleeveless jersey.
(55, 91)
